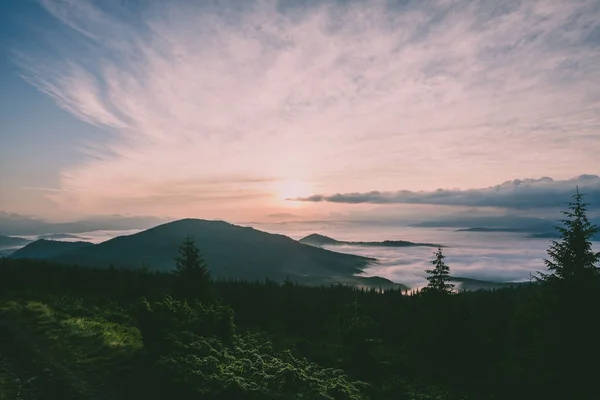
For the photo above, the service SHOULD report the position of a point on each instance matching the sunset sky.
(263, 110)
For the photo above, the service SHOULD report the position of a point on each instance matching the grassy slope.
(54, 349)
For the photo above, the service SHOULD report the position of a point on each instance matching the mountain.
(529, 224)
(7, 242)
(545, 235)
(320, 240)
(48, 248)
(483, 229)
(7, 252)
(230, 251)
(508, 223)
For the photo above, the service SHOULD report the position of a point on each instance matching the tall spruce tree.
(572, 259)
(440, 275)
(192, 277)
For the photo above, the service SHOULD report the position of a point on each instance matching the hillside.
(7, 242)
(48, 248)
(318, 240)
(230, 251)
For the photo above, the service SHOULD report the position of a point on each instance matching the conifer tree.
(193, 278)
(572, 258)
(440, 275)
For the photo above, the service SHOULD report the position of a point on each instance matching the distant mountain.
(52, 236)
(509, 223)
(483, 229)
(7, 252)
(230, 251)
(528, 224)
(320, 240)
(545, 235)
(48, 248)
(470, 284)
(11, 241)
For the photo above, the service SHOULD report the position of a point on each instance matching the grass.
(88, 354)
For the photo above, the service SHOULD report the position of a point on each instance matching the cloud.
(516, 194)
(42, 189)
(346, 95)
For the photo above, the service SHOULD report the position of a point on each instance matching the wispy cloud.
(518, 194)
(346, 95)
(43, 189)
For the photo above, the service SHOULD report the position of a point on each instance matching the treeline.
(527, 342)
(230, 339)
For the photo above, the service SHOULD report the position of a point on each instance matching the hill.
(230, 251)
(12, 241)
(48, 248)
(320, 240)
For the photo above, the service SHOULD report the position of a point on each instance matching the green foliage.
(203, 367)
(197, 355)
(572, 259)
(439, 276)
(157, 319)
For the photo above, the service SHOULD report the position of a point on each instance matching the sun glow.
(290, 189)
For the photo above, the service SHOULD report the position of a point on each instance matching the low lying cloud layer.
(498, 256)
(517, 194)
(202, 102)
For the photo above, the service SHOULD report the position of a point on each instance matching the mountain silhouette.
(45, 249)
(318, 240)
(230, 251)
(484, 229)
(12, 241)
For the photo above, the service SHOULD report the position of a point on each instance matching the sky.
(297, 110)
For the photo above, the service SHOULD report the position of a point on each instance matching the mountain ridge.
(7, 242)
(318, 240)
(231, 251)
(45, 248)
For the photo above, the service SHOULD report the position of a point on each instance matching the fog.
(95, 237)
(493, 256)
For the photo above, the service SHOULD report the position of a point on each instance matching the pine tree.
(572, 258)
(440, 275)
(193, 278)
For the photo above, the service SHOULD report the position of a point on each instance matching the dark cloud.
(517, 194)
(17, 224)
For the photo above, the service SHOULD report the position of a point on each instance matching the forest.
(74, 332)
